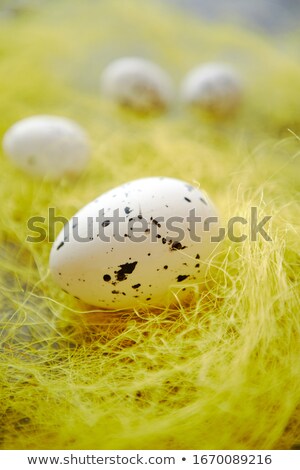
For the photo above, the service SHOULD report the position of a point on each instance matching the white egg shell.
(213, 87)
(137, 83)
(127, 271)
(47, 146)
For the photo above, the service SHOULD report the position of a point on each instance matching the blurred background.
(271, 16)
(237, 370)
(266, 15)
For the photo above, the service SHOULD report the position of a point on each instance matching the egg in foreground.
(131, 245)
(47, 146)
(214, 87)
(137, 83)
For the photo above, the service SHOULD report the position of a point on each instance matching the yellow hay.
(220, 373)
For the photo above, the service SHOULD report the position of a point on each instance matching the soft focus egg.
(137, 83)
(131, 245)
(47, 146)
(213, 87)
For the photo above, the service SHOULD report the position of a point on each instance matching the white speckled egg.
(137, 260)
(137, 83)
(47, 146)
(213, 87)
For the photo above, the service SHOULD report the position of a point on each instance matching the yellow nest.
(220, 373)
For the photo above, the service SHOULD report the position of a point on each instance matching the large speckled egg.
(47, 146)
(214, 87)
(137, 83)
(138, 259)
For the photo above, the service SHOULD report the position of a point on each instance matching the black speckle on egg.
(166, 267)
(114, 291)
(158, 236)
(197, 265)
(203, 200)
(136, 286)
(126, 269)
(127, 210)
(149, 254)
(197, 256)
(156, 223)
(148, 298)
(60, 246)
(106, 277)
(187, 199)
(182, 277)
(105, 223)
(177, 246)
